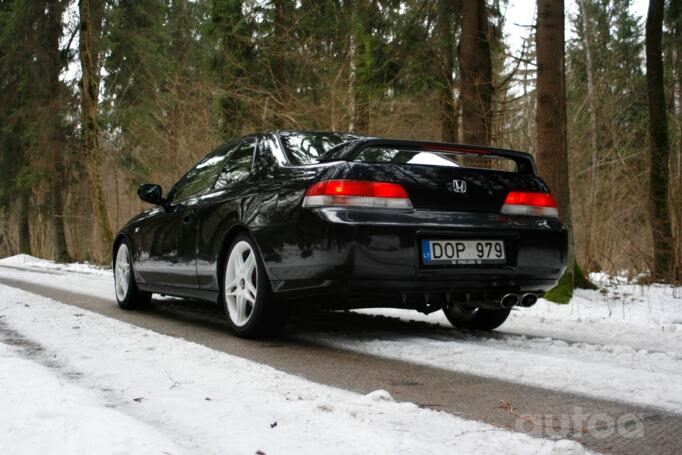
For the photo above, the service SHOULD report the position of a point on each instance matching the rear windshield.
(305, 148)
(391, 155)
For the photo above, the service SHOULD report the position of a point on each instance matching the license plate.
(461, 252)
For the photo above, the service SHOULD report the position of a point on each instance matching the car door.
(169, 236)
(221, 208)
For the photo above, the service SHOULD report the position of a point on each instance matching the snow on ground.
(614, 372)
(82, 277)
(74, 381)
(45, 414)
(25, 261)
(623, 342)
(647, 317)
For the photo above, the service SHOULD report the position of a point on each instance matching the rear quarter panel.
(286, 241)
(219, 213)
(269, 207)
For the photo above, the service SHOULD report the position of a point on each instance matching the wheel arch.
(228, 238)
(120, 238)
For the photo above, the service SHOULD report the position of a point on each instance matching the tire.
(475, 318)
(249, 315)
(128, 296)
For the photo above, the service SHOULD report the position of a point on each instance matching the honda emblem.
(459, 186)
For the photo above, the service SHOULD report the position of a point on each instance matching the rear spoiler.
(349, 150)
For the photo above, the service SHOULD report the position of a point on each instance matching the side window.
(238, 164)
(201, 177)
(267, 159)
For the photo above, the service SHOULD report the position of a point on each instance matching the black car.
(282, 220)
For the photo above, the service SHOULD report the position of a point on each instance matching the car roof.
(348, 149)
(314, 132)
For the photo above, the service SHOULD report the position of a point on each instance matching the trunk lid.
(446, 180)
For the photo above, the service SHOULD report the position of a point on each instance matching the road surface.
(472, 397)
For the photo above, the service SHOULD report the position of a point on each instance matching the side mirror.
(151, 193)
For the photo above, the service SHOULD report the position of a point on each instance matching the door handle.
(188, 216)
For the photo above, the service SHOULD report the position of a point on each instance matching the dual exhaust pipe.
(525, 300)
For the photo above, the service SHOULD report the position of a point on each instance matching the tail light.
(357, 193)
(530, 203)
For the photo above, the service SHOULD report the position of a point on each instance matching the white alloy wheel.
(122, 272)
(241, 283)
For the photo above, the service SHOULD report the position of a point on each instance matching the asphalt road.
(465, 395)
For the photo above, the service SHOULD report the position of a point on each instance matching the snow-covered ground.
(84, 278)
(24, 261)
(623, 342)
(613, 371)
(43, 413)
(74, 381)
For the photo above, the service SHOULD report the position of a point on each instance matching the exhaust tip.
(509, 300)
(529, 300)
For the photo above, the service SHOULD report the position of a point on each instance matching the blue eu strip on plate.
(426, 251)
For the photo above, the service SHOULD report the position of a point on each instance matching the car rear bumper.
(358, 252)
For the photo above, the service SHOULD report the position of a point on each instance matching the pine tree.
(15, 69)
(231, 65)
(658, 144)
(55, 104)
(445, 49)
(476, 69)
(91, 16)
(674, 44)
(606, 102)
(552, 152)
(26, 87)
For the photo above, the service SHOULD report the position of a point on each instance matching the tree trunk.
(658, 144)
(281, 33)
(587, 44)
(85, 233)
(677, 179)
(529, 114)
(24, 223)
(362, 67)
(446, 51)
(550, 119)
(7, 247)
(90, 34)
(352, 67)
(476, 73)
(57, 142)
(362, 112)
(591, 102)
(61, 250)
(675, 11)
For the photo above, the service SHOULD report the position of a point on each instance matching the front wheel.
(128, 296)
(246, 294)
(475, 318)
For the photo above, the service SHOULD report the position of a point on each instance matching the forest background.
(99, 96)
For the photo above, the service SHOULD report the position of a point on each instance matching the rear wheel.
(475, 318)
(128, 296)
(246, 295)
